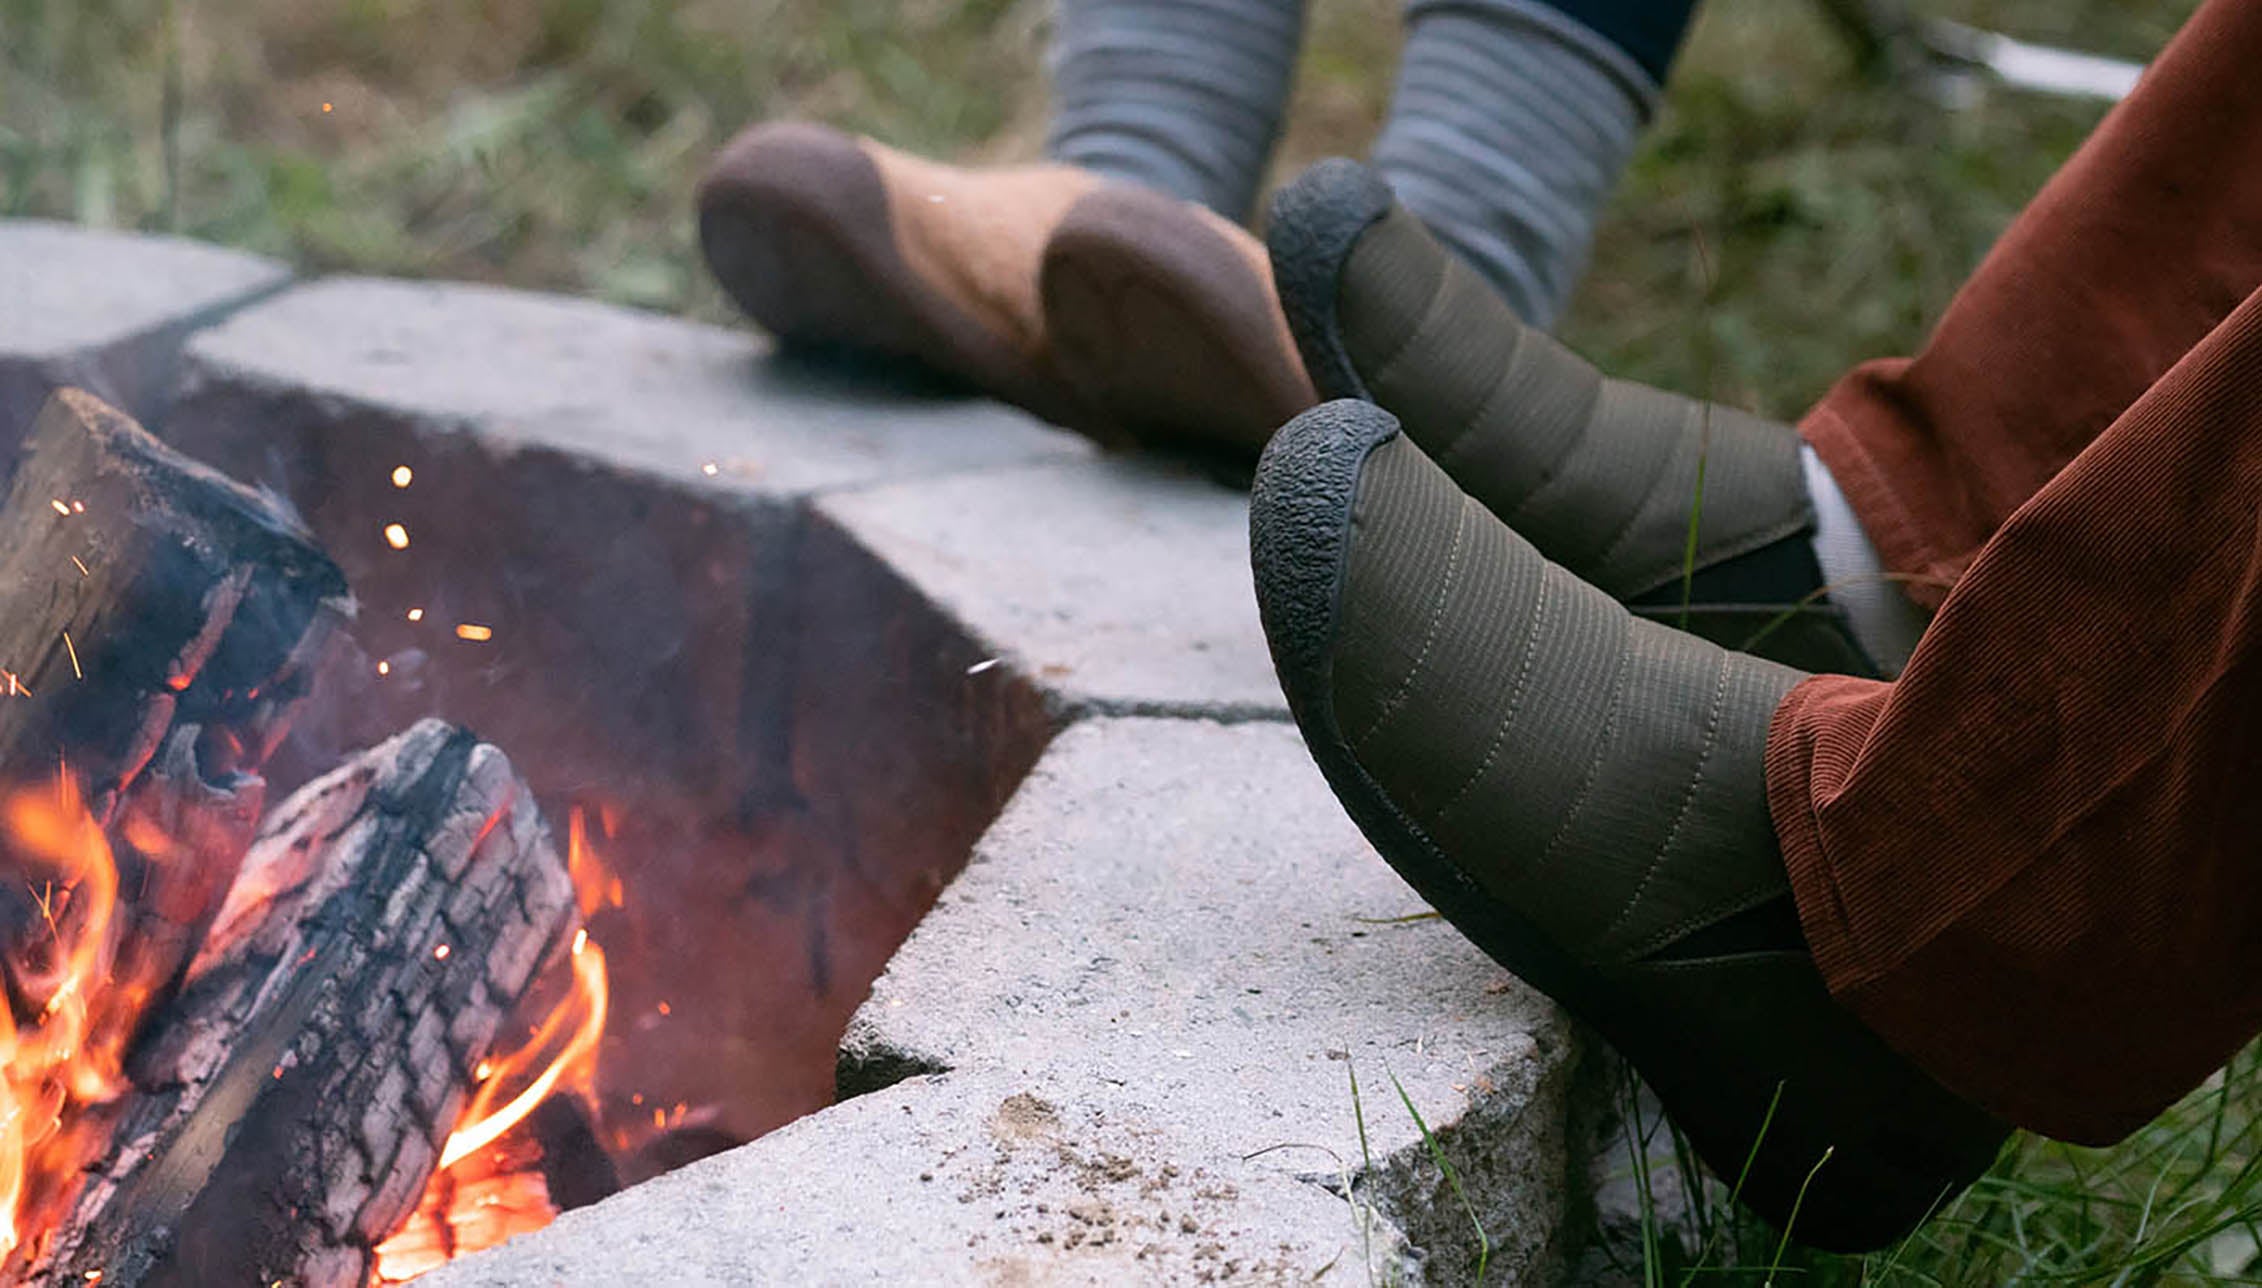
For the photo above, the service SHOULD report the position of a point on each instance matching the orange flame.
(489, 1188)
(63, 1031)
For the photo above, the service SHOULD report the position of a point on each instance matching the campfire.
(334, 1039)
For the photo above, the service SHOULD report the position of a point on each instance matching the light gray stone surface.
(1140, 1007)
(106, 311)
(1118, 585)
(629, 389)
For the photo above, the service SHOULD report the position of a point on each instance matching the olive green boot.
(1581, 792)
(1601, 474)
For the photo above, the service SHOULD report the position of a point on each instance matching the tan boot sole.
(1166, 327)
(796, 226)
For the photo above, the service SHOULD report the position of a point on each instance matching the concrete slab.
(106, 311)
(1120, 1048)
(1119, 586)
(976, 1178)
(617, 387)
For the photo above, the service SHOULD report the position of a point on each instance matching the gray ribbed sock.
(1509, 128)
(1182, 96)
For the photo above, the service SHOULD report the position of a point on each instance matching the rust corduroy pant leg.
(2143, 241)
(2034, 863)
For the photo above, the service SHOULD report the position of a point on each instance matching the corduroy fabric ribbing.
(2034, 863)
(2145, 240)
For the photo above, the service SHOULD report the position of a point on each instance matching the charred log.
(295, 1098)
(140, 594)
(158, 622)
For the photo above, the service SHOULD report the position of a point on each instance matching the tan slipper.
(824, 238)
(1162, 316)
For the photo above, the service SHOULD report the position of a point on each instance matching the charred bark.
(294, 1099)
(158, 623)
(140, 594)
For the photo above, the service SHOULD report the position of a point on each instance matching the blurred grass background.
(553, 144)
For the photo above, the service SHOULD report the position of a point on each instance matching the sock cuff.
(1881, 618)
(1642, 87)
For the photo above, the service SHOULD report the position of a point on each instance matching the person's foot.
(1162, 315)
(1582, 793)
(1100, 306)
(827, 239)
(1601, 474)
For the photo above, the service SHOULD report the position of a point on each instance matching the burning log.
(297, 1095)
(158, 624)
(142, 594)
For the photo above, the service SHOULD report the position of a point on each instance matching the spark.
(61, 508)
(665, 1009)
(15, 683)
(396, 536)
(580, 940)
(416, 614)
(403, 476)
(78, 507)
(474, 632)
(81, 565)
(485, 1070)
(983, 665)
(660, 1118)
(384, 668)
(325, 108)
(440, 952)
(710, 469)
(73, 650)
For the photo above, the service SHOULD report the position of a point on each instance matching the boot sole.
(1314, 223)
(1300, 524)
(795, 225)
(1162, 326)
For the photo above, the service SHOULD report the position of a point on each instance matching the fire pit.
(771, 645)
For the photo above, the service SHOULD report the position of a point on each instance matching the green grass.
(2178, 1203)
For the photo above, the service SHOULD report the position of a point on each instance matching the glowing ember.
(490, 1185)
(416, 614)
(403, 476)
(384, 668)
(496, 1196)
(61, 508)
(62, 1041)
(396, 536)
(474, 632)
